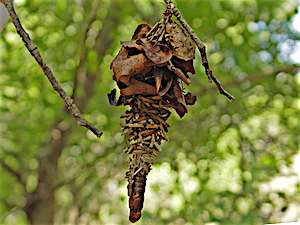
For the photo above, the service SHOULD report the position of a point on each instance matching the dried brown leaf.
(141, 31)
(185, 66)
(181, 44)
(137, 87)
(130, 66)
(158, 54)
(132, 44)
(190, 99)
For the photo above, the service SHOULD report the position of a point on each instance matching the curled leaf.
(158, 54)
(132, 44)
(185, 66)
(181, 75)
(181, 110)
(137, 87)
(166, 88)
(181, 44)
(113, 101)
(176, 98)
(130, 66)
(178, 93)
(156, 68)
(141, 31)
(190, 99)
(158, 77)
(112, 97)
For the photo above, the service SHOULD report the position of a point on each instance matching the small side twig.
(201, 47)
(32, 48)
(12, 172)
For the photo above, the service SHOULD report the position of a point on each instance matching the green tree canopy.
(223, 159)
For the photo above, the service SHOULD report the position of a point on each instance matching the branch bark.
(32, 48)
(201, 47)
(12, 172)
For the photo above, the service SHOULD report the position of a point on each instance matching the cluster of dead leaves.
(155, 62)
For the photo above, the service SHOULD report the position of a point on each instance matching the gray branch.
(201, 47)
(12, 172)
(32, 48)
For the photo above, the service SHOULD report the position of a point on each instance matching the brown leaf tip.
(141, 31)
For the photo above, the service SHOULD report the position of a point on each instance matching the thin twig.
(32, 48)
(253, 78)
(12, 172)
(201, 47)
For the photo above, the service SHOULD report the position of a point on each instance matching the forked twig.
(201, 47)
(32, 48)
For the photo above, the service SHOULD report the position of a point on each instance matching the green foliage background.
(222, 157)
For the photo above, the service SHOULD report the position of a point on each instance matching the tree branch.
(32, 48)
(83, 48)
(201, 47)
(12, 172)
(257, 77)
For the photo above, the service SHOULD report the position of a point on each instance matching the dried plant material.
(165, 89)
(141, 31)
(190, 99)
(149, 70)
(138, 87)
(130, 66)
(171, 9)
(181, 44)
(184, 66)
(132, 44)
(179, 73)
(158, 54)
(112, 97)
(113, 101)
(144, 66)
(146, 126)
(136, 193)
